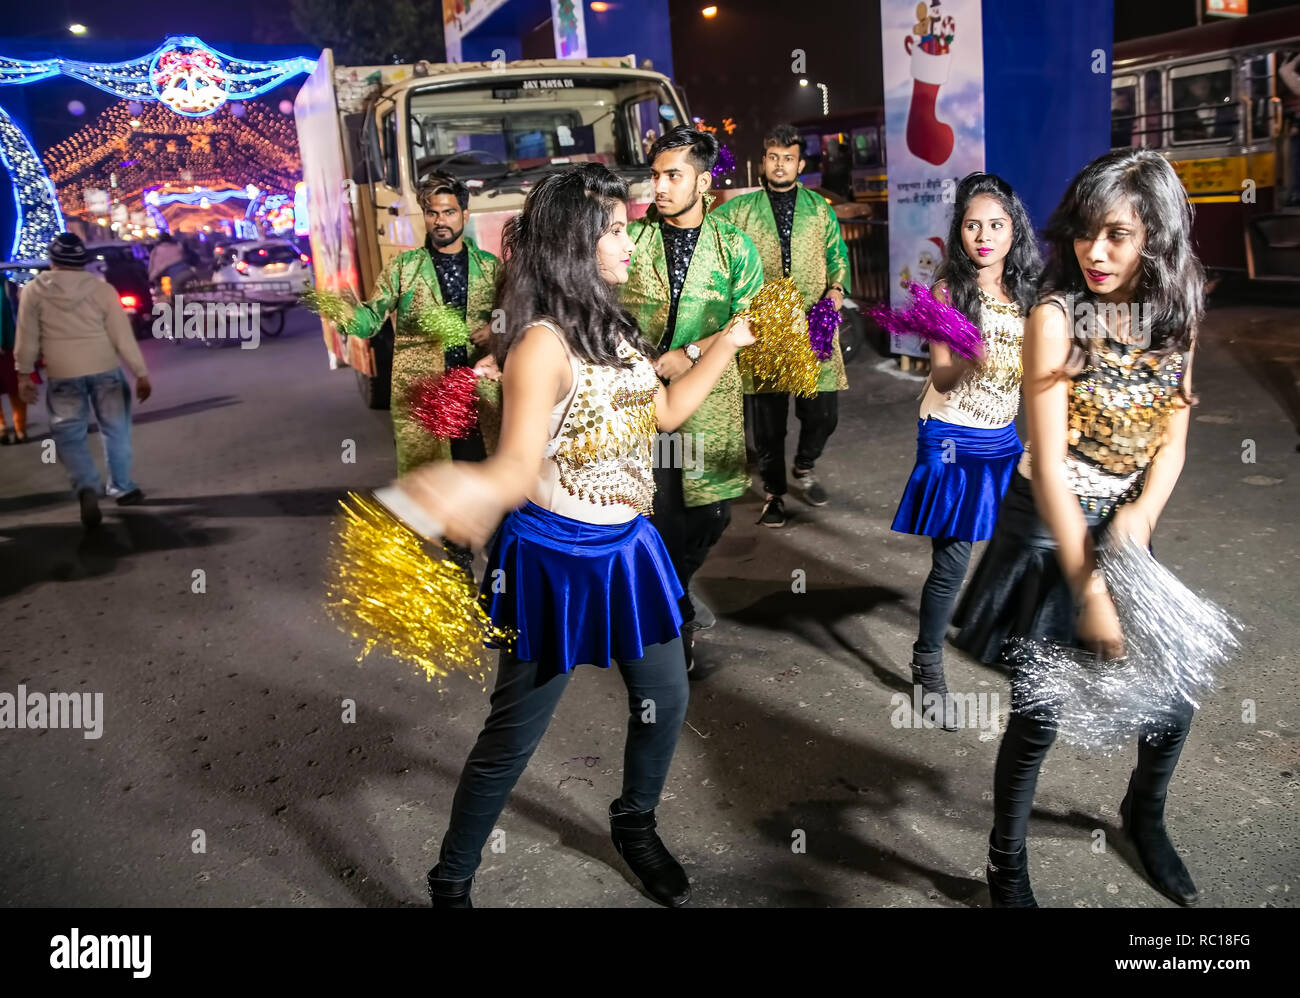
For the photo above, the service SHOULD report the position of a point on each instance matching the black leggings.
(1025, 745)
(948, 563)
(523, 702)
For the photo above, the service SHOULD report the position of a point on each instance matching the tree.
(365, 33)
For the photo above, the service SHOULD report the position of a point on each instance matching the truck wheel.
(853, 335)
(374, 391)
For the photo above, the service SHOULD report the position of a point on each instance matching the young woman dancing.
(586, 577)
(966, 443)
(1107, 398)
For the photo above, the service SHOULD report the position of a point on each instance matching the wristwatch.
(693, 353)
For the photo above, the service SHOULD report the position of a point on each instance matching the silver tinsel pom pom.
(1175, 643)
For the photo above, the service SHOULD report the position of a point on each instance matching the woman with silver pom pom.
(1107, 391)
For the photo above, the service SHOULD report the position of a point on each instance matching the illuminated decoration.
(183, 73)
(35, 205)
(216, 152)
(201, 197)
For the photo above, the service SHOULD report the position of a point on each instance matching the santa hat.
(926, 245)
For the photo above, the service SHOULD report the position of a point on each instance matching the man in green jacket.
(797, 236)
(690, 275)
(448, 270)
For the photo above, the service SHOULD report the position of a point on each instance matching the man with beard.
(690, 275)
(448, 271)
(451, 271)
(797, 236)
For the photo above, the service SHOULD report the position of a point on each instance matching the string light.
(184, 73)
(260, 148)
(38, 219)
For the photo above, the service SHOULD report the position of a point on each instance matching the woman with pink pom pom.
(967, 447)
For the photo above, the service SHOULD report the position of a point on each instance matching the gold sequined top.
(1120, 406)
(598, 465)
(989, 396)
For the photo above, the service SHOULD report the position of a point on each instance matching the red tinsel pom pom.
(446, 406)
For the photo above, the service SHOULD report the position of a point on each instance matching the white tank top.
(597, 466)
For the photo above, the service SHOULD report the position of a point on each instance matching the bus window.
(1257, 74)
(1202, 104)
(866, 147)
(1123, 112)
(1153, 129)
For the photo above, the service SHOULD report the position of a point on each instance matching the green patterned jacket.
(725, 272)
(818, 258)
(408, 285)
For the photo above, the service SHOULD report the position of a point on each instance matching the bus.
(1221, 102)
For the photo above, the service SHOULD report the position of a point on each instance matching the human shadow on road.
(35, 500)
(787, 775)
(283, 502)
(67, 552)
(140, 416)
(288, 755)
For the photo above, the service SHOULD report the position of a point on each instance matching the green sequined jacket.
(725, 272)
(818, 259)
(407, 286)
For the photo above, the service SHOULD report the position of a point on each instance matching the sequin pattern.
(604, 448)
(783, 213)
(453, 277)
(1120, 406)
(992, 391)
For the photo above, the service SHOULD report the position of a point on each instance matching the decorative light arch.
(183, 73)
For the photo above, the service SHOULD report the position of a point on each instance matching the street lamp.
(710, 11)
(803, 83)
(77, 29)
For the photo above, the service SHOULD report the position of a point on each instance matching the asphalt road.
(223, 720)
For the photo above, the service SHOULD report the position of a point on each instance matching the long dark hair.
(1020, 269)
(550, 270)
(1171, 279)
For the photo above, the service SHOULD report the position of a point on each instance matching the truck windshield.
(489, 128)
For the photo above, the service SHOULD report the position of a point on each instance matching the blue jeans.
(69, 401)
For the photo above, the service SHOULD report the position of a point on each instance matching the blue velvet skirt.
(579, 593)
(959, 497)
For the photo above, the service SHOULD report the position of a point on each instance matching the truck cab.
(370, 134)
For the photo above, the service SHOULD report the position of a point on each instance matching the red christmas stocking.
(927, 137)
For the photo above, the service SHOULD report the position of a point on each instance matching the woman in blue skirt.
(575, 570)
(966, 446)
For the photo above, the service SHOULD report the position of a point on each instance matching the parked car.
(125, 265)
(265, 262)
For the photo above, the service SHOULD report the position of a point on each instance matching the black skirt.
(1018, 589)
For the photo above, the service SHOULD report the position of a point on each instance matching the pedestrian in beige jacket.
(75, 320)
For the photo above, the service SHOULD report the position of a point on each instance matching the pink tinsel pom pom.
(446, 406)
(823, 320)
(933, 321)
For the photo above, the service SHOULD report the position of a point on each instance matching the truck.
(369, 134)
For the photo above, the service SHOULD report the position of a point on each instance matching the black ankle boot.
(1144, 824)
(927, 673)
(449, 893)
(636, 841)
(1008, 875)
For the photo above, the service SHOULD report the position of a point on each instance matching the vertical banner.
(459, 18)
(570, 29)
(933, 56)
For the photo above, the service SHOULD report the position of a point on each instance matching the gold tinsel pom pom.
(388, 592)
(332, 305)
(781, 357)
